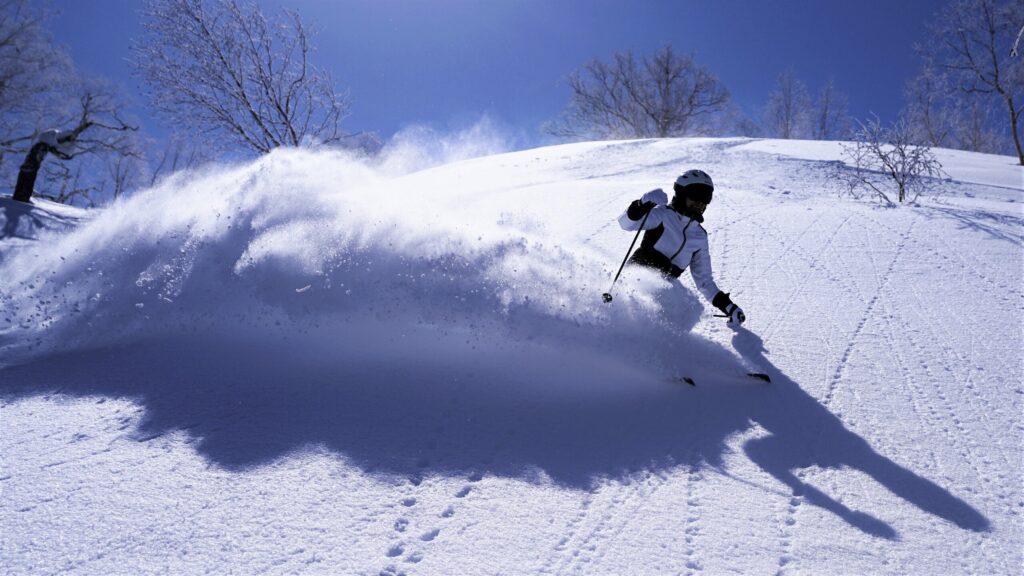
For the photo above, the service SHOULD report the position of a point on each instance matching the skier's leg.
(921, 492)
(774, 457)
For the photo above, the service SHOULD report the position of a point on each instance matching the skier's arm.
(633, 217)
(700, 269)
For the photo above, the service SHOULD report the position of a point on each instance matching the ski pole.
(608, 295)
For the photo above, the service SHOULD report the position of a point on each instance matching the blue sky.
(446, 63)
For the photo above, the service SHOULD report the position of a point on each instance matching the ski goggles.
(697, 192)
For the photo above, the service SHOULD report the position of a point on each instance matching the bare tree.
(786, 114)
(33, 76)
(99, 137)
(831, 119)
(974, 42)
(930, 112)
(941, 115)
(665, 94)
(976, 129)
(883, 159)
(222, 66)
(40, 89)
(733, 121)
(99, 125)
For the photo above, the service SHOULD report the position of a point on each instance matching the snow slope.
(308, 365)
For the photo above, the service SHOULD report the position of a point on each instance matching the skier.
(49, 141)
(674, 238)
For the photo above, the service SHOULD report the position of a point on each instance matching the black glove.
(638, 209)
(732, 311)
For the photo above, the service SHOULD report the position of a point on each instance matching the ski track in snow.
(694, 514)
(957, 370)
(869, 317)
(966, 264)
(419, 521)
(595, 533)
(560, 554)
(937, 420)
(798, 293)
(787, 531)
(882, 280)
(940, 354)
(604, 513)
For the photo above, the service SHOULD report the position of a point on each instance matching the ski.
(755, 375)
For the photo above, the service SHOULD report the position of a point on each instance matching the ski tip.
(760, 376)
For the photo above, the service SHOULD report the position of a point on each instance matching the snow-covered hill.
(305, 365)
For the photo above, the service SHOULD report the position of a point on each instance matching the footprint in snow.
(395, 551)
(464, 492)
(429, 536)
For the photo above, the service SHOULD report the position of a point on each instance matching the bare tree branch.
(786, 114)
(831, 119)
(974, 46)
(222, 66)
(663, 95)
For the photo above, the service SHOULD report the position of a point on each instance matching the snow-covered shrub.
(882, 161)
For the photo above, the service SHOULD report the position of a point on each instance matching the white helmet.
(696, 184)
(695, 177)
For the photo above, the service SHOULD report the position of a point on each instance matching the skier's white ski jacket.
(678, 242)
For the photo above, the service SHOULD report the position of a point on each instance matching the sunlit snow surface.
(311, 364)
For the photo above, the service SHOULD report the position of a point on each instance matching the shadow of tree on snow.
(22, 221)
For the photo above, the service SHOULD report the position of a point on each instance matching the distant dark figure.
(49, 141)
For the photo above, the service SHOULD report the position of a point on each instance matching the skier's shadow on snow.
(516, 411)
(804, 433)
